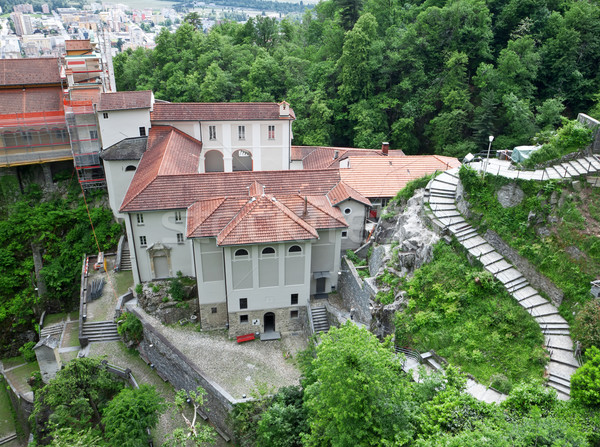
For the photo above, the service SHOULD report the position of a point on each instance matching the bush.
(139, 289)
(587, 325)
(176, 289)
(526, 396)
(27, 351)
(409, 190)
(501, 383)
(130, 327)
(585, 383)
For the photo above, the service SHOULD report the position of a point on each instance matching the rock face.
(510, 195)
(155, 300)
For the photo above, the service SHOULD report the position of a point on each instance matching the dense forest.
(430, 77)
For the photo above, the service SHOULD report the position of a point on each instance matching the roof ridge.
(167, 141)
(220, 201)
(297, 219)
(232, 224)
(325, 211)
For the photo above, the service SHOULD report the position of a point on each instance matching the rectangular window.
(180, 238)
(213, 310)
(178, 217)
(243, 303)
(271, 132)
(243, 319)
(105, 115)
(344, 234)
(294, 298)
(143, 241)
(142, 131)
(293, 314)
(241, 132)
(140, 219)
(212, 132)
(93, 134)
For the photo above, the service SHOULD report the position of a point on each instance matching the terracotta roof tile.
(29, 100)
(343, 192)
(38, 71)
(71, 45)
(265, 219)
(321, 157)
(85, 94)
(222, 111)
(385, 176)
(125, 100)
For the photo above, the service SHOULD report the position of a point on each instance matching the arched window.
(130, 168)
(295, 249)
(242, 160)
(213, 162)
(241, 252)
(268, 251)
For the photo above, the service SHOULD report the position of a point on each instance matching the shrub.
(587, 325)
(139, 289)
(27, 351)
(528, 395)
(501, 383)
(585, 383)
(130, 327)
(176, 289)
(409, 190)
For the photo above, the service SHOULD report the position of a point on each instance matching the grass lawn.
(7, 420)
(13, 361)
(124, 280)
(467, 317)
(51, 319)
(18, 376)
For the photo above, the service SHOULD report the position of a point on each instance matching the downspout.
(196, 275)
(137, 266)
(225, 279)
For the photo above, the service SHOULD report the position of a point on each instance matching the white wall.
(356, 223)
(122, 124)
(117, 182)
(210, 278)
(326, 258)
(160, 226)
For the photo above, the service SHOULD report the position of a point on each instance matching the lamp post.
(487, 160)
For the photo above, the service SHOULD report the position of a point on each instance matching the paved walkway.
(568, 170)
(444, 213)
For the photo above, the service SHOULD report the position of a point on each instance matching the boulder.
(510, 195)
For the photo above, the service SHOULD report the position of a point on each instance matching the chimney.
(385, 148)
(336, 154)
(284, 109)
(305, 206)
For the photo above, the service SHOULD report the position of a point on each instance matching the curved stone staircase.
(441, 195)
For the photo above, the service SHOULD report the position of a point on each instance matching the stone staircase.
(574, 168)
(125, 258)
(55, 330)
(99, 331)
(320, 319)
(440, 195)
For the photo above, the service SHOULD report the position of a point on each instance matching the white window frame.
(241, 133)
(143, 241)
(178, 217)
(344, 234)
(271, 132)
(105, 115)
(212, 133)
(140, 219)
(180, 238)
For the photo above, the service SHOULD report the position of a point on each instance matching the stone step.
(447, 213)
(566, 167)
(534, 301)
(560, 342)
(550, 319)
(594, 162)
(442, 207)
(578, 167)
(564, 357)
(491, 258)
(546, 309)
(448, 221)
(551, 331)
(560, 380)
(441, 193)
(481, 250)
(447, 179)
(466, 234)
(515, 286)
(525, 293)
(560, 369)
(102, 338)
(441, 200)
(552, 173)
(55, 329)
(510, 277)
(559, 387)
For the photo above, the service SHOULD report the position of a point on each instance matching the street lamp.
(487, 160)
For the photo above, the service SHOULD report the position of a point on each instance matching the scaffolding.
(85, 143)
(36, 137)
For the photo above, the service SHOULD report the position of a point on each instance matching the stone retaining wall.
(22, 404)
(354, 292)
(536, 279)
(173, 366)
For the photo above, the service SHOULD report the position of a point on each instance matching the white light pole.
(487, 160)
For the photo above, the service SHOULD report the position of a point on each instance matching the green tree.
(194, 433)
(355, 391)
(283, 421)
(130, 414)
(585, 382)
(587, 325)
(193, 18)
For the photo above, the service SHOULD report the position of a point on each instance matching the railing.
(82, 300)
(410, 353)
(310, 318)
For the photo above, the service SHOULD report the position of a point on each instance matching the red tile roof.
(29, 100)
(343, 192)
(85, 94)
(125, 100)
(222, 111)
(71, 45)
(40, 71)
(385, 176)
(320, 157)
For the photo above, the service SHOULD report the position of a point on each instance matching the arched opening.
(269, 322)
(130, 168)
(295, 249)
(242, 160)
(213, 162)
(242, 252)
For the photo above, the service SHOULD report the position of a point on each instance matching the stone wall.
(284, 322)
(173, 366)
(528, 270)
(593, 124)
(355, 292)
(213, 320)
(22, 404)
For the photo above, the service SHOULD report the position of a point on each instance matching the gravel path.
(238, 368)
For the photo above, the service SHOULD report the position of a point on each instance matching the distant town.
(27, 32)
